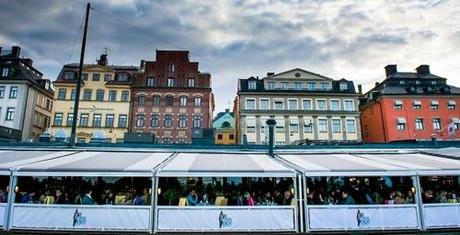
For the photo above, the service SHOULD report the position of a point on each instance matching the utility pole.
(80, 70)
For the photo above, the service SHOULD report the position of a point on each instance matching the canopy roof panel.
(340, 164)
(11, 159)
(136, 162)
(447, 152)
(213, 164)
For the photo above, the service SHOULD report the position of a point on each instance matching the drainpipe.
(271, 124)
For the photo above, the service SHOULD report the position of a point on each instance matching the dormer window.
(343, 86)
(150, 82)
(5, 72)
(433, 82)
(122, 77)
(402, 82)
(172, 68)
(69, 75)
(191, 82)
(170, 82)
(252, 85)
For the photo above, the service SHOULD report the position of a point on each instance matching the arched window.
(226, 125)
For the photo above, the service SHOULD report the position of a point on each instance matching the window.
(278, 105)
(402, 82)
(349, 105)
(419, 124)
(219, 137)
(97, 120)
(343, 86)
(2, 91)
(322, 125)
(73, 94)
(252, 85)
(292, 104)
(336, 126)
(84, 76)
(250, 104)
(125, 96)
(107, 77)
(231, 136)
(87, 94)
(285, 85)
(433, 82)
(321, 105)
(417, 104)
(311, 86)
(183, 101)
(5, 72)
(155, 121)
(57, 119)
(156, 100)
(13, 92)
(197, 101)
(434, 104)
(109, 120)
(351, 126)
(168, 121)
(61, 93)
(307, 126)
(398, 104)
(279, 126)
(170, 82)
(172, 68)
(112, 95)
(401, 123)
(9, 114)
(141, 100)
(451, 104)
(84, 119)
(122, 121)
(96, 76)
(298, 86)
(324, 86)
(139, 120)
(99, 95)
(436, 123)
(182, 121)
(169, 100)
(250, 125)
(150, 82)
(335, 105)
(69, 75)
(264, 104)
(122, 77)
(270, 85)
(293, 126)
(70, 119)
(196, 121)
(191, 82)
(306, 105)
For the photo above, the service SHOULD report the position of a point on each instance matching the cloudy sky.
(237, 39)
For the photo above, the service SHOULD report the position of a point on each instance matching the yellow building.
(224, 128)
(104, 102)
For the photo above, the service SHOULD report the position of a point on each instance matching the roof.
(300, 70)
(98, 163)
(209, 164)
(12, 159)
(445, 152)
(114, 67)
(412, 75)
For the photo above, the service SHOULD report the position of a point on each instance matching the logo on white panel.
(78, 218)
(224, 220)
(362, 219)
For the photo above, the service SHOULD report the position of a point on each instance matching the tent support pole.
(419, 202)
(300, 203)
(155, 205)
(305, 203)
(152, 210)
(11, 198)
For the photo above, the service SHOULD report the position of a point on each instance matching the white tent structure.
(11, 159)
(382, 217)
(210, 218)
(90, 217)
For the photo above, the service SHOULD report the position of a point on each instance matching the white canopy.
(97, 164)
(12, 159)
(445, 152)
(224, 165)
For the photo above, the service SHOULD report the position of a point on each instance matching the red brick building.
(171, 97)
(410, 106)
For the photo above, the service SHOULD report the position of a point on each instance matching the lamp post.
(271, 124)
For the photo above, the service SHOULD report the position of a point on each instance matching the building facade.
(224, 128)
(26, 99)
(306, 106)
(171, 97)
(104, 107)
(410, 106)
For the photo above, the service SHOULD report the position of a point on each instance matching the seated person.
(192, 198)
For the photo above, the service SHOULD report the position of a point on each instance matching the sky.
(235, 39)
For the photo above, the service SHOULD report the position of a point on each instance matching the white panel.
(2, 214)
(442, 215)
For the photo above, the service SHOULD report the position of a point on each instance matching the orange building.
(410, 106)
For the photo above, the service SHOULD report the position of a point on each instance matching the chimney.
(142, 66)
(390, 69)
(103, 61)
(423, 69)
(270, 74)
(360, 88)
(15, 51)
(377, 84)
(28, 62)
(227, 110)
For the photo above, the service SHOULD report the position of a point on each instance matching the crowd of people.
(440, 189)
(84, 191)
(360, 190)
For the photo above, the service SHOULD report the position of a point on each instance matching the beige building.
(104, 102)
(306, 106)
